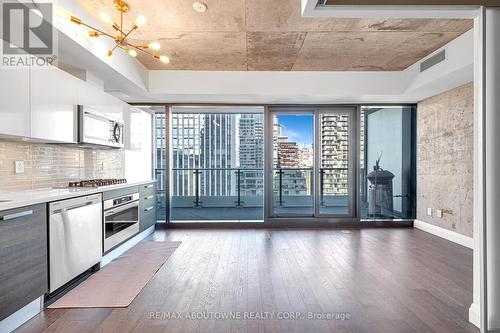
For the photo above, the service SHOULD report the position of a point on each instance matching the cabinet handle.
(80, 206)
(148, 186)
(148, 209)
(149, 197)
(16, 215)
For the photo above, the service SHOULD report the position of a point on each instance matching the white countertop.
(33, 197)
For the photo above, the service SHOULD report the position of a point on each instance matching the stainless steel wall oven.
(121, 219)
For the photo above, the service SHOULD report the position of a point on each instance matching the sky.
(298, 128)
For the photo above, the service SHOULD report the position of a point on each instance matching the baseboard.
(115, 253)
(21, 316)
(475, 315)
(452, 236)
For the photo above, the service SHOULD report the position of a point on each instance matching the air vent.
(433, 61)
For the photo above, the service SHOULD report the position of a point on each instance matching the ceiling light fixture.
(200, 7)
(121, 38)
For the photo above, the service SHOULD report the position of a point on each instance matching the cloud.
(302, 139)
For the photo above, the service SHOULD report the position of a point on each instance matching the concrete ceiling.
(264, 35)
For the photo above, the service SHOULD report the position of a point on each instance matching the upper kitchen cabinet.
(14, 102)
(103, 103)
(54, 99)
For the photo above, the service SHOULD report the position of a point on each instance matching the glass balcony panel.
(334, 191)
(292, 191)
(218, 194)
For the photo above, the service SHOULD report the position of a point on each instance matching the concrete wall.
(445, 159)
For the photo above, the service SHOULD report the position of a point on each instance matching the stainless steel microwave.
(97, 129)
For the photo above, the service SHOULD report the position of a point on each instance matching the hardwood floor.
(386, 280)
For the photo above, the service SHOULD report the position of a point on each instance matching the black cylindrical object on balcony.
(380, 198)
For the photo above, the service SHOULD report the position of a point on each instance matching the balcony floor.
(241, 214)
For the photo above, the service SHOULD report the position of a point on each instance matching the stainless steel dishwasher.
(75, 238)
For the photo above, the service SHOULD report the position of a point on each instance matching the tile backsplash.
(52, 165)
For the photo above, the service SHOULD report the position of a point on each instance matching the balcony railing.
(217, 182)
(243, 183)
(238, 193)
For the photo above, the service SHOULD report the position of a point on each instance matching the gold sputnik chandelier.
(121, 38)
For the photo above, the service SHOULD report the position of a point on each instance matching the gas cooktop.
(97, 182)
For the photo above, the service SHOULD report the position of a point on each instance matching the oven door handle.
(121, 208)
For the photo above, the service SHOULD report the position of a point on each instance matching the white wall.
(492, 165)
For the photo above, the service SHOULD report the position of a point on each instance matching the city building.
(334, 154)
(186, 141)
(306, 157)
(218, 154)
(251, 154)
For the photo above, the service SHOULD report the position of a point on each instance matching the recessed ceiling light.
(200, 7)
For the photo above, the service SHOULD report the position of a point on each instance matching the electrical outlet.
(439, 213)
(429, 211)
(19, 166)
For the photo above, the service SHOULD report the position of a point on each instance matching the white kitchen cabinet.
(96, 99)
(41, 104)
(14, 102)
(54, 99)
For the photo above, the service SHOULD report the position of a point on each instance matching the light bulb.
(140, 20)
(105, 18)
(132, 52)
(154, 46)
(164, 59)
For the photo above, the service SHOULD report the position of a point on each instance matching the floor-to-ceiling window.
(217, 164)
(211, 163)
(160, 160)
(387, 162)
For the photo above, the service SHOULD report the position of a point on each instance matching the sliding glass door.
(313, 152)
(293, 163)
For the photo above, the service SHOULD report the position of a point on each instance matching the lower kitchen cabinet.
(147, 206)
(23, 257)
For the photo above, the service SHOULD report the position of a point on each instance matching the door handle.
(120, 209)
(149, 197)
(148, 186)
(148, 209)
(16, 215)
